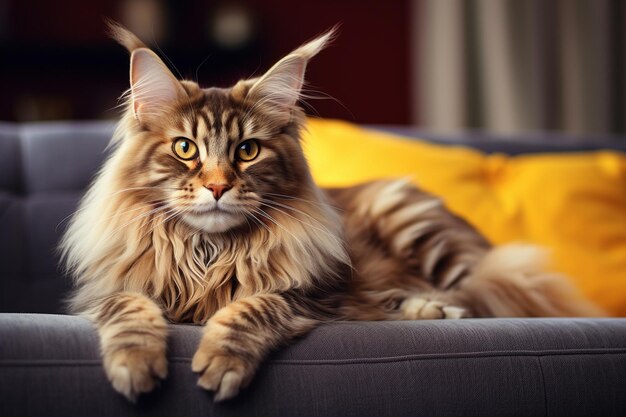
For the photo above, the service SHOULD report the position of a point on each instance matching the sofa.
(50, 366)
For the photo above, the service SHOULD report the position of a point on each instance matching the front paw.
(135, 370)
(416, 308)
(221, 370)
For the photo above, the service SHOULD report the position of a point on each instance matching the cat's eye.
(248, 150)
(185, 149)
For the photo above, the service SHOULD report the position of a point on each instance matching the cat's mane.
(190, 272)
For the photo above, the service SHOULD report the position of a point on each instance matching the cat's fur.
(274, 255)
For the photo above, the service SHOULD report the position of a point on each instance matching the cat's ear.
(153, 87)
(278, 90)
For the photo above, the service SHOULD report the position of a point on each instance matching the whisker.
(305, 95)
(261, 223)
(248, 223)
(322, 229)
(80, 209)
(273, 220)
(171, 213)
(146, 214)
(137, 218)
(312, 202)
(180, 76)
(142, 188)
(200, 66)
(116, 214)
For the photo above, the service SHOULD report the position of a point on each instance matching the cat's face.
(217, 158)
(218, 163)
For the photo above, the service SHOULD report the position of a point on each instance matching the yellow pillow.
(573, 204)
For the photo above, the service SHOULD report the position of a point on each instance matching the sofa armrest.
(49, 365)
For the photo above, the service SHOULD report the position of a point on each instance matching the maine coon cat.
(206, 213)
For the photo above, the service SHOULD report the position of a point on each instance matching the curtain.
(519, 65)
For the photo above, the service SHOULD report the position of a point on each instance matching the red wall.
(58, 51)
(367, 68)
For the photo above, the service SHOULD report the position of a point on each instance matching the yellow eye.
(248, 150)
(185, 149)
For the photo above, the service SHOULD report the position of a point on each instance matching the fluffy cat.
(206, 213)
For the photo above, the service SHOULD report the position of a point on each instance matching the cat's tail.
(510, 281)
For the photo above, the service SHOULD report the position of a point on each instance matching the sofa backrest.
(44, 169)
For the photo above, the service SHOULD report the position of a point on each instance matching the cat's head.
(217, 158)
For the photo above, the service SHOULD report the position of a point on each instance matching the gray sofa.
(49, 363)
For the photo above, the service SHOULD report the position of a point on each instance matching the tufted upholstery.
(44, 169)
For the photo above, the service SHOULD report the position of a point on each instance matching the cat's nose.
(217, 189)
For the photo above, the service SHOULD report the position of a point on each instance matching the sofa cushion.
(13, 260)
(62, 156)
(10, 158)
(572, 203)
(49, 365)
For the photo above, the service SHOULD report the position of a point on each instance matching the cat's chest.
(205, 253)
(240, 268)
(204, 280)
(217, 264)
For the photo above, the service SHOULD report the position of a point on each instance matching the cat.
(206, 213)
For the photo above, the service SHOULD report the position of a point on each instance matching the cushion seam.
(464, 355)
(406, 358)
(543, 386)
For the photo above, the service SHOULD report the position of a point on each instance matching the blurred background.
(502, 66)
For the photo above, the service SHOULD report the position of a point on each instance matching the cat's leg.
(239, 336)
(447, 256)
(414, 230)
(405, 238)
(133, 338)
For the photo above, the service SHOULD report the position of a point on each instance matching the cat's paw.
(135, 370)
(221, 371)
(416, 308)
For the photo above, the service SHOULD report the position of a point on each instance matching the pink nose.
(218, 189)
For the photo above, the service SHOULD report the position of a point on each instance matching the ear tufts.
(123, 36)
(278, 90)
(312, 48)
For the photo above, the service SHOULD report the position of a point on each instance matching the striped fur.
(272, 255)
(133, 336)
(414, 259)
